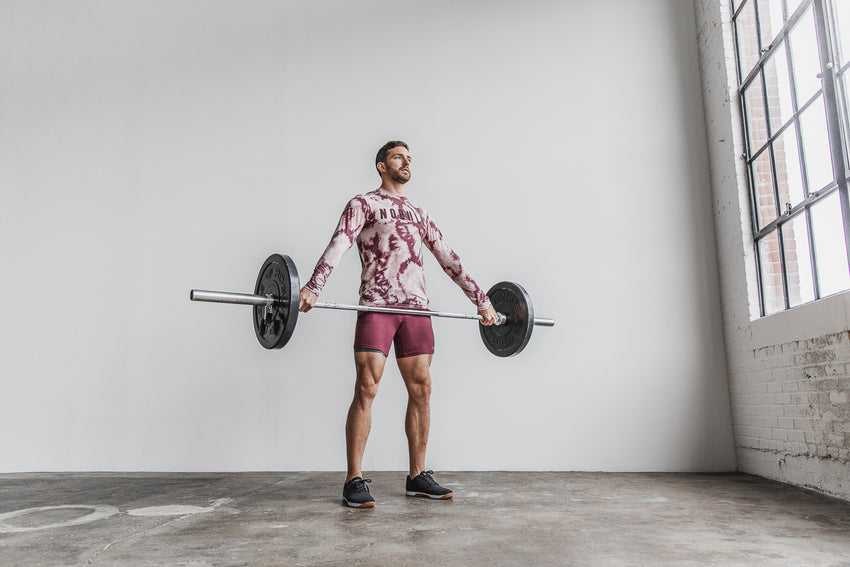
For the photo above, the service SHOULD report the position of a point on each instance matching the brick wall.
(794, 400)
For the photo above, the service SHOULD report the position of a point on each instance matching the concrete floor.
(496, 519)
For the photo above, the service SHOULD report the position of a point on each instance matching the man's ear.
(382, 167)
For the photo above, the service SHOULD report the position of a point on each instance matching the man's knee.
(365, 391)
(419, 388)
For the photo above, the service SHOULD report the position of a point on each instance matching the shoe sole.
(356, 505)
(431, 496)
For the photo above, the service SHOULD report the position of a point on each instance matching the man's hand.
(489, 316)
(306, 299)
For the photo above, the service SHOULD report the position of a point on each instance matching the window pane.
(770, 20)
(778, 83)
(804, 56)
(798, 260)
(756, 123)
(816, 146)
(745, 26)
(763, 184)
(771, 274)
(789, 178)
(841, 9)
(792, 6)
(828, 232)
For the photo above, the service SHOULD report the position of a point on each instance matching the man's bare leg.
(370, 368)
(416, 372)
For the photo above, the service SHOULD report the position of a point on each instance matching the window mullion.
(813, 198)
(814, 263)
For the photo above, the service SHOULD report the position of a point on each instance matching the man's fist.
(306, 299)
(488, 316)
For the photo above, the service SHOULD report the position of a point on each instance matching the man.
(390, 230)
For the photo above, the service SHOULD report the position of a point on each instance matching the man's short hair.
(385, 149)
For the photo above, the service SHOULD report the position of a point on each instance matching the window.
(793, 63)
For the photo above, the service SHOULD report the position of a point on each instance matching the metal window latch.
(829, 67)
(787, 208)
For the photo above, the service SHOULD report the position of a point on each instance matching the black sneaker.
(355, 493)
(425, 486)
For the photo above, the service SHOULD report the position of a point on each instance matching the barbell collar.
(230, 297)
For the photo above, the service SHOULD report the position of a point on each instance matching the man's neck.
(393, 187)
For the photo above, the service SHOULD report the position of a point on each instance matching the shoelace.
(361, 484)
(429, 477)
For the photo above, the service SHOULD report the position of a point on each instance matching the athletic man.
(390, 230)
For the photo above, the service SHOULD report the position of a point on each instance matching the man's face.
(397, 164)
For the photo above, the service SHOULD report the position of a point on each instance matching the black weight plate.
(510, 338)
(279, 278)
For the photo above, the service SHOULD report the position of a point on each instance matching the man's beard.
(399, 177)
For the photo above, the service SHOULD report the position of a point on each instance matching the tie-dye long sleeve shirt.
(389, 231)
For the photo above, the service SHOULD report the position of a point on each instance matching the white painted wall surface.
(147, 148)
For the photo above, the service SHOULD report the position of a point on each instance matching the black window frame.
(835, 101)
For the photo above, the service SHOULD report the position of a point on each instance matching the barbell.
(276, 295)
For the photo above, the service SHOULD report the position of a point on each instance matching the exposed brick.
(835, 369)
(835, 439)
(837, 397)
(814, 372)
(838, 339)
(814, 357)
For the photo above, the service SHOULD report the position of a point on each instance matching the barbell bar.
(276, 296)
(251, 299)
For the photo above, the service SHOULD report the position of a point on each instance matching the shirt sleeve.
(450, 261)
(350, 224)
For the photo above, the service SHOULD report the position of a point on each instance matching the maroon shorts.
(412, 334)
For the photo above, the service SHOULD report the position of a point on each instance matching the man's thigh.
(415, 370)
(370, 367)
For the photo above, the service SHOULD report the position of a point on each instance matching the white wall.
(150, 147)
(789, 372)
